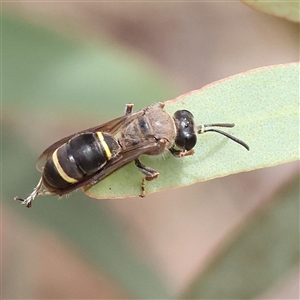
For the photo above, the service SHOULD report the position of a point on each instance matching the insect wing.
(111, 126)
(125, 157)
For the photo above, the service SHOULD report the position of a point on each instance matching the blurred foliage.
(43, 70)
(50, 79)
(265, 248)
(289, 10)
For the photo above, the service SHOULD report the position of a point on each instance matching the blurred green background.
(69, 66)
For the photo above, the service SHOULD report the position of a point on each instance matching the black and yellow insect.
(87, 157)
(83, 155)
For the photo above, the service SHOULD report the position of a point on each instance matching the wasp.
(83, 159)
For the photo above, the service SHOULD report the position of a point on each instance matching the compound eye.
(186, 137)
(190, 142)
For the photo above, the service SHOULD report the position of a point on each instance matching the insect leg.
(128, 109)
(148, 172)
(37, 191)
(160, 104)
(179, 153)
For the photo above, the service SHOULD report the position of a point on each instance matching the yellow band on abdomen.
(60, 170)
(104, 144)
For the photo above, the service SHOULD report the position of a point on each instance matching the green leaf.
(289, 10)
(265, 248)
(263, 104)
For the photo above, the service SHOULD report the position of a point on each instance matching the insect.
(87, 157)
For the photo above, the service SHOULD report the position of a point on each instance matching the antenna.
(206, 127)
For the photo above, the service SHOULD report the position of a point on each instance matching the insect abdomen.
(82, 155)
